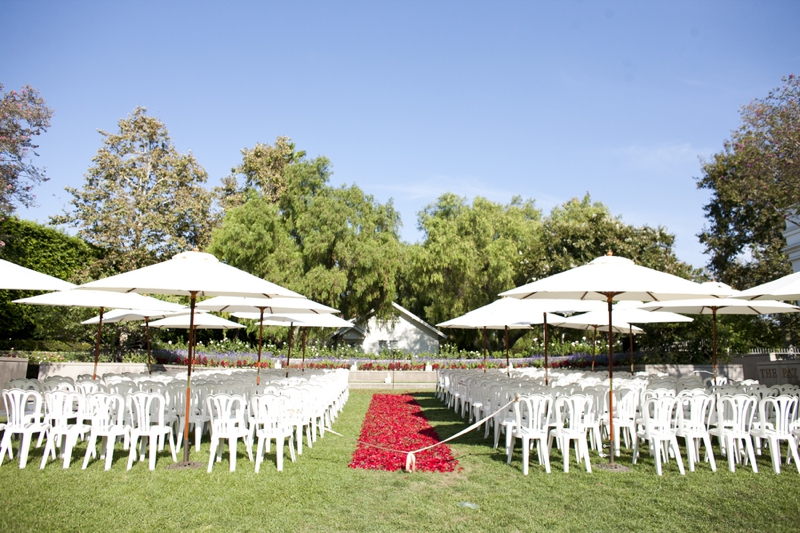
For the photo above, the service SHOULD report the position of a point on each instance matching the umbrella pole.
(303, 362)
(714, 320)
(630, 332)
(594, 346)
(97, 344)
(147, 334)
(508, 370)
(546, 364)
(193, 300)
(289, 357)
(485, 349)
(611, 383)
(260, 336)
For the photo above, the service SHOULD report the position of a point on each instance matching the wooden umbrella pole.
(193, 301)
(610, 382)
(97, 344)
(546, 364)
(289, 357)
(594, 345)
(485, 350)
(303, 362)
(630, 332)
(714, 320)
(508, 368)
(260, 338)
(147, 335)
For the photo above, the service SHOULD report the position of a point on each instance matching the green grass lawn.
(321, 493)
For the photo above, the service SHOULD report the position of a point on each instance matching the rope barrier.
(411, 459)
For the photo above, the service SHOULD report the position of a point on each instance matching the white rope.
(411, 459)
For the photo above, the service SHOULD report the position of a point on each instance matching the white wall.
(408, 336)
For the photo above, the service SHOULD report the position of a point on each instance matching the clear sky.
(546, 100)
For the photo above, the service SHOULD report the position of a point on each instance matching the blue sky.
(546, 100)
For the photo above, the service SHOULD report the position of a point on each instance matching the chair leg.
(212, 452)
(109, 446)
(153, 441)
(279, 453)
(748, 443)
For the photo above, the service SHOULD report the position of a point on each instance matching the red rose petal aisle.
(395, 422)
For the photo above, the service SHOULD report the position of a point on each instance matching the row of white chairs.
(154, 410)
(695, 412)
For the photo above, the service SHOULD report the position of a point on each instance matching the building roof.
(405, 313)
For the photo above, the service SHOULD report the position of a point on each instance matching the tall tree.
(755, 191)
(335, 245)
(142, 201)
(46, 250)
(23, 116)
(580, 230)
(470, 253)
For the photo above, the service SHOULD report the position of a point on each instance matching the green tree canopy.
(469, 254)
(23, 116)
(335, 245)
(755, 190)
(50, 251)
(142, 201)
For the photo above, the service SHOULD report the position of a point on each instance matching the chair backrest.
(87, 387)
(17, 412)
(146, 408)
(694, 410)
(107, 409)
(61, 405)
(572, 411)
(737, 412)
(227, 412)
(780, 411)
(533, 412)
(626, 401)
(658, 414)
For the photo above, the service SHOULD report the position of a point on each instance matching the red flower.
(397, 424)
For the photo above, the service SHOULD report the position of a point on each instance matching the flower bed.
(396, 422)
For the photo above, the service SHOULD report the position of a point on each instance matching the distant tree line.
(277, 216)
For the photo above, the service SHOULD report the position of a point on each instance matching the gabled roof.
(411, 317)
(408, 315)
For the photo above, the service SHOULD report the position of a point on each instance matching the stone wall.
(12, 368)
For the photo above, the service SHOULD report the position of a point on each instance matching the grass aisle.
(321, 493)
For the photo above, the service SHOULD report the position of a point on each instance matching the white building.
(408, 333)
(792, 236)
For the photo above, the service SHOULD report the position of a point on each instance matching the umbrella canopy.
(133, 315)
(722, 306)
(15, 277)
(272, 306)
(785, 288)
(191, 274)
(597, 321)
(615, 277)
(612, 278)
(513, 313)
(201, 321)
(99, 299)
(326, 320)
(304, 320)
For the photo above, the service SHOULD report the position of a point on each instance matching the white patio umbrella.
(201, 321)
(191, 274)
(785, 288)
(596, 321)
(97, 299)
(304, 320)
(512, 313)
(272, 306)
(16, 277)
(135, 315)
(611, 278)
(723, 306)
